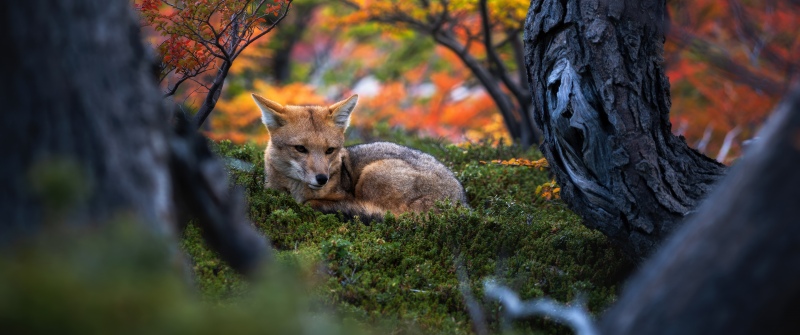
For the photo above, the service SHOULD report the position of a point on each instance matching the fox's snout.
(317, 170)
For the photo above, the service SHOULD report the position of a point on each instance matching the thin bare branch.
(440, 20)
(174, 89)
(682, 128)
(234, 15)
(202, 67)
(207, 20)
(187, 76)
(496, 64)
(760, 45)
(172, 5)
(703, 143)
(726, 145)
(492, 87)
(207, 44)
(264, 32)
(575, 315)
(519, 58)
(473, 307)
(199, 84)
(446, 28)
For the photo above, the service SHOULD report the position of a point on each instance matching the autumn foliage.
(239, 120)
(197, 32)
(449, 109)
(200, 40)
(729, 62)
(484, 37)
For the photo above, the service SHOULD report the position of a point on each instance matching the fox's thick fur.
(306, 158)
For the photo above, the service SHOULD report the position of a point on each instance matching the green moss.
(329, 276)
(401, 274)
(216, 280)
(121, 280)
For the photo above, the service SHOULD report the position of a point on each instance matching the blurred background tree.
(423, 66)
(200, 40)
(729, 63)
(485, 39)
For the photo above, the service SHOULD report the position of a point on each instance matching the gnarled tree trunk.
(601, 98)
(733, 268)
(85, 138)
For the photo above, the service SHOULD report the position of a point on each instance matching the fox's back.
(362, 155)
(406, 170)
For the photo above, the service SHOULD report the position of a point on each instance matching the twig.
(726, 145)
(703, 143)
(474, 309)
(574, 315)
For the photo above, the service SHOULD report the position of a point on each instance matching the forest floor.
(406, 275)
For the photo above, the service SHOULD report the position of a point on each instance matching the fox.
(306, 158)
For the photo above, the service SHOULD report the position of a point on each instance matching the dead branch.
(575, 315)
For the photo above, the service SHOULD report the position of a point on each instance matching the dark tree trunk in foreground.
(86, 140)
(602, 100)
(734, 267)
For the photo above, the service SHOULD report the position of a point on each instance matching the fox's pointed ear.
(340, 111)
(271, 112)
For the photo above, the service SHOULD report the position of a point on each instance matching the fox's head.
(306, 141)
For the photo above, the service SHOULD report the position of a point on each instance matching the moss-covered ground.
(328, 276)
(403, 273)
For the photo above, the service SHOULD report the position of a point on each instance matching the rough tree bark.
(733, 268)
(595, 70)
(78, 90)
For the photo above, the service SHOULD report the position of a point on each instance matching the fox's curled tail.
(366, 212)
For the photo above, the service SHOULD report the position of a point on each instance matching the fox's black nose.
(322, 179)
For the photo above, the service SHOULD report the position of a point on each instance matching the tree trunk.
(86, 140)
(285, 39)
(734, 267)
(515, 128)
(595, 71)
(72, 94)
(214, 92)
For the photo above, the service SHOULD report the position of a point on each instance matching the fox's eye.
(300, 149)
(329, 151)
